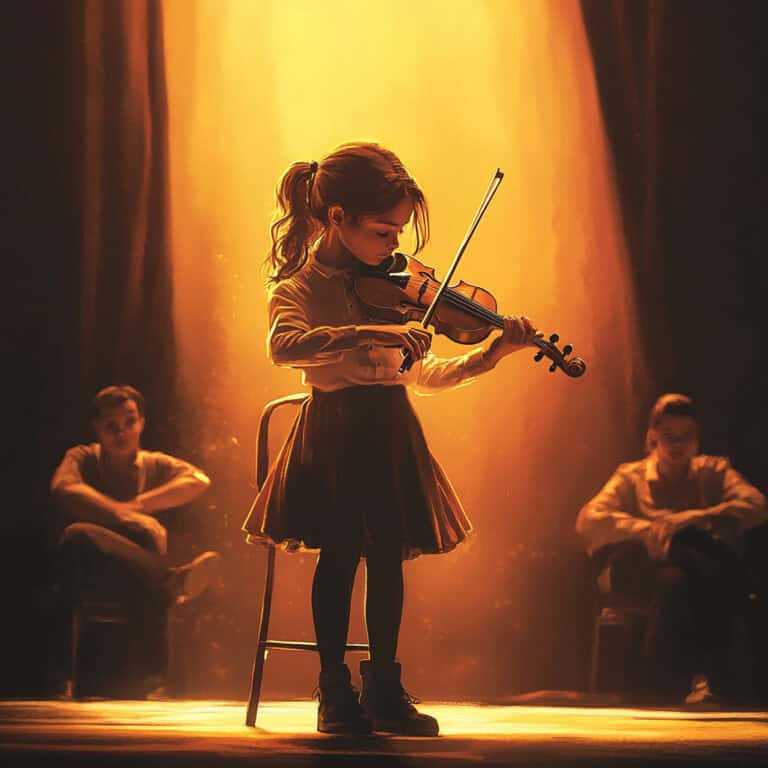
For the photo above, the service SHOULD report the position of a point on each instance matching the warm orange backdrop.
(456, 88)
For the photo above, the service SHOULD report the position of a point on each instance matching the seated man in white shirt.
(112, 545)
(668, 532)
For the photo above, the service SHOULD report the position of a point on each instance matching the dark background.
(681, 87)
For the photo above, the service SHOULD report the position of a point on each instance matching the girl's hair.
(671, 404)
(363, 178)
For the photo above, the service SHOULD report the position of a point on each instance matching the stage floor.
(211, 733)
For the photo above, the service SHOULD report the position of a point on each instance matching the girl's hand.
(518, 333)
(411, 338)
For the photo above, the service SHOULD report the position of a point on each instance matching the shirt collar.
(652, 469)
(138, 461)
(325, 270)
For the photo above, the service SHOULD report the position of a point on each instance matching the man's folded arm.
(607, 518)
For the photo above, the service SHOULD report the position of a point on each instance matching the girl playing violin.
(355, 477)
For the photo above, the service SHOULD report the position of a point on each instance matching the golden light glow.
(150, 723)
(456, 89)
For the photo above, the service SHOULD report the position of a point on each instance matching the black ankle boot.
(340, 710)
(388, 705)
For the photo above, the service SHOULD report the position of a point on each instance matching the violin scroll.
(573, 367)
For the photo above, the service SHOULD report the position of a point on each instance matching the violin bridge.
(400, 279)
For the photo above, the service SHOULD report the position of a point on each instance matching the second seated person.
(668, 532)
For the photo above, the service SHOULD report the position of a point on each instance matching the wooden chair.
(616, 658)
(264, 642)
(105, 638)
(101, 642)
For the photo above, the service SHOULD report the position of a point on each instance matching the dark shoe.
(340, 710)
(191, 580)
(389, 706)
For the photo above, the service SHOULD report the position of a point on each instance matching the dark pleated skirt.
(355, 470)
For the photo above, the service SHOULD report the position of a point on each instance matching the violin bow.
(574, 367)
(484, 203)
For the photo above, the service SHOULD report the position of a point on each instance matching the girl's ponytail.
(361, 177)
(294, 226)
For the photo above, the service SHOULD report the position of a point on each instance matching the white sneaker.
(191, 580)
(701, 697)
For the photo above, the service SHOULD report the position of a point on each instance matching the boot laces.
(401, 698)
(347, 695)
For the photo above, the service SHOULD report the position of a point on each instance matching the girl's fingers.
(422, 339)
(414, 346)
(531, 331)
(516, 329)
(520, 329)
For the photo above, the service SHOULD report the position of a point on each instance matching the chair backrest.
(262, 438)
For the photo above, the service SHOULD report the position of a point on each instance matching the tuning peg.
(553, 367)
(554, 338)
(567, 349)
(537, 357)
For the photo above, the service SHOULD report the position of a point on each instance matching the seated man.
(112, 546)
(667, 531)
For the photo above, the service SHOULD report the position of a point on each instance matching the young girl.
(355, 477)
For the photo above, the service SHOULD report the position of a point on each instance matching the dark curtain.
(86, 262)
(681, 85)
(125, 308)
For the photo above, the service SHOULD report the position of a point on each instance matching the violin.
(403, 289)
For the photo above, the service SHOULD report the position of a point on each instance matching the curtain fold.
(624, 38)
(682, 98)
(126, 307)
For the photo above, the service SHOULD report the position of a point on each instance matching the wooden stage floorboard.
(212, 733)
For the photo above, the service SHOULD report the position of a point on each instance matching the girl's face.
(373, 238)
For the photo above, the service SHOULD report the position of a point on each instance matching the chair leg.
(595, 657)
(261, 648)
(613, 653)
(258, 673)
(176, 666)
(77, 618)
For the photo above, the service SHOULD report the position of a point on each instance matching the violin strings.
(486, 314)
(473, 307)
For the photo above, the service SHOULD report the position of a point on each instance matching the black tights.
(332, 595)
